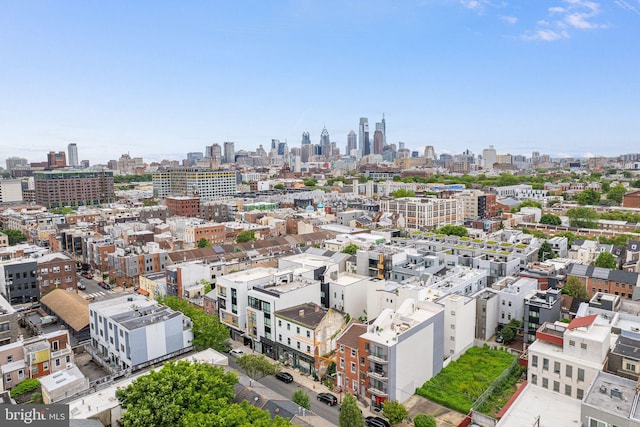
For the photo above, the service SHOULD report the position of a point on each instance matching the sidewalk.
(307, 382)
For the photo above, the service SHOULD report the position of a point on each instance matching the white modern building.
(459, 324)
(511, 294)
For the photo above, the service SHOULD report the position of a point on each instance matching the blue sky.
(159, 79)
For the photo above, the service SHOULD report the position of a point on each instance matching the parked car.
(104, 285)
(376, 422)
(328, 398)
(82, 286)
(236, 353)
(285, 376)
(499, 339)
(87, 276)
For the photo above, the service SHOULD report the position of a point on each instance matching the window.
(534, 361)
(453, 326)
(580, 374)
(298, 330)
(353, 353)
(342, 363)
(298, 345)
(308, 349)
(353, 367)
(288, 341)
(572, 343)
(355, 385)
(20, 374)
(567, 390)
(534, 379)
(9, 359)
(630, 367)
(579, 393)
(361, 361)
(556, 367)
(57, 362)
(545, 383)
(308, 334)
(568, 371)
(545, 364)
(453, 313)
(288, 326)
(556, 386)
(7, 378)
(596, 423)
(45, 366)
(583, 346)
(452, 338)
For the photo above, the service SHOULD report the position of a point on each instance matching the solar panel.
(601, 273)
(579, 269)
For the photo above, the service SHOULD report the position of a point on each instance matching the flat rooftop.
(614, 393)
(122, 304)
(536, 402)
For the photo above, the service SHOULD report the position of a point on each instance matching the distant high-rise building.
(214, 152)
(193, 158)
(206, 183)
(73, 154)
(378, 142)
(12, 162)
(306, 138)
(229, 152)
(325, 142)
(382, 127)
(56, 160)
(261, 152)
(352, 142)
(430, 152)
(73, 188)
(282, 148)
(363, 137)
(274, 145)
(489, 157)
(400, 145)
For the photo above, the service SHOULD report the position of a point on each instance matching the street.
(93, 289)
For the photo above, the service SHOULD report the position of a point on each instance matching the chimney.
(301, 313)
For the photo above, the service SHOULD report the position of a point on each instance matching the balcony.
(378, 375)
(61, 352)
(377, 392)
(378, 358)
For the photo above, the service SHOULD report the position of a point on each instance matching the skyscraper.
(352, 142)
(378, 142)
(229, 152)
(363, 137)
(306, 138)
(73, 154)
(489, 157)
(382, 127)
(56, 160)
(325, 142)
(193, 158)
(430, 152)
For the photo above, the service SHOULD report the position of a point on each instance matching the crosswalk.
(99, 294)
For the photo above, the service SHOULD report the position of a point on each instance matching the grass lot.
(459, 384)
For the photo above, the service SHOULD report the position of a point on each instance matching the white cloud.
(628, 6)
(546, 35)
(580, 21)
(471, 4)
(509, 19)
(556, 9)
(568, 16)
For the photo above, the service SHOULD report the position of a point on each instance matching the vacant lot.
(459, 384)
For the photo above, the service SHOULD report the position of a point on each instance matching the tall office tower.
(363, 137)
(489, 156)
(400, 145)
(282, 148)
(215, 152)
(378, 142)
(73, 154)
(261, 152)
(430, 152)
(193, 158)
(382, 127)
(12, 162)
(56, 160)
(325, 142)
(305, 153)
(352, 142)
(229, 152)
(306, 138)
(274, 145)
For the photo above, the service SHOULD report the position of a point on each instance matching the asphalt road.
(93, 289)
(329, 413)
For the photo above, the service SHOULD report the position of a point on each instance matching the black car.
(285, 376)
(328, 398)
(376, 422)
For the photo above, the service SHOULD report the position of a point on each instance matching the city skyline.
(555, 76)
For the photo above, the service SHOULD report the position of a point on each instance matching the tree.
(301, 398)
(351, 249)
(188, 394)
(309, 182)
(424, 420)
(545, 252)
(350, 415)
(508, 334)
(575, 288)
(550, 219)
(588, 197)
(257, 366)
(246, 236)
(527, 204)
(616, 193)
(395, 411)
(569, 235)
(453, 230)
(606, 260)
(279, 187)
(583, 217)
(14, 236)
(204, 243)
(403, 193)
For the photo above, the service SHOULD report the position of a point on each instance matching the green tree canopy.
(569, 235)
(583, 217)
(208, 332)
(575, 288)
(351, 249)
(453, 230)
(257, 366)
(204, 243)
(527, 204)
(279, 186)
(301, 398)
(188, 394)
(119, 179)
(403, 193)
(588, 197)
(395, 412)
(310, 182)
(605, 260)
(246, 236)
(616, 193)
(350, 415)
(550, 219)
(14, 236)
(545, 252)
(424, 420)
